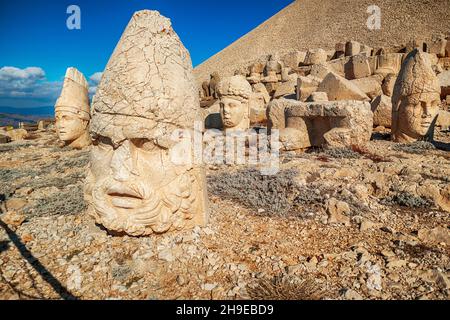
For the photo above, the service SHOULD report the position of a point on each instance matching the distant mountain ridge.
(10, 116)
(38, 111)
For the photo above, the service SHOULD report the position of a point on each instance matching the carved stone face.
(418, 112)
(69, 126)
(147, 93)
(232, 111)
(135, 187)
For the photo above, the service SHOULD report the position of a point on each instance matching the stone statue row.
(146, 92)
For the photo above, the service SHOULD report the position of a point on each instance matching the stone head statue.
(234, 94)
(416, 99)
(72, 110)
(147, 93)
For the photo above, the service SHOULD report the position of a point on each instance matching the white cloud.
(96, 77)
(29, 83)
(15, 74)
(94, 80)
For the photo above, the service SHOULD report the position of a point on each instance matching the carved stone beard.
(162, 208)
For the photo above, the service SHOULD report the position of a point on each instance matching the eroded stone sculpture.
(72, 111)
(336, 124)
(416, 99)
(146, 94)
(234, 94)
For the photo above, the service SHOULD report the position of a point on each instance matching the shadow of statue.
(35, 263)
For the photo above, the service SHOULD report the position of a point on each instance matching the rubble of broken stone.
(351, 72)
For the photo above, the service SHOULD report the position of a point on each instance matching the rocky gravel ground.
(368, 223)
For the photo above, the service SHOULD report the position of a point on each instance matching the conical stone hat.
(147, 89)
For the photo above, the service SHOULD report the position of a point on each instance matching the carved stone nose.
(122, 162)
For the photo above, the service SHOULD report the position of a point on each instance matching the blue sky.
(36, 46)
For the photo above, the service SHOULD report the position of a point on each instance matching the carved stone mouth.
(125, 197)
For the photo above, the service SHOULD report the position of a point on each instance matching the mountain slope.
(312, 24)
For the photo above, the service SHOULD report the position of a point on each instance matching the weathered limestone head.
(72, 110)
(234, 95)
(147, 93)
(416, 99)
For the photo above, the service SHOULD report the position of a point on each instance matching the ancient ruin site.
(308, 160)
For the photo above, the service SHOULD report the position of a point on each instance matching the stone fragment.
(438, 46)
(4, 138)
(339, 88)
(317, 97)
(72, 111)
(389, 63)
(371, 86)
(13, 219)
(444, 83)
(382, 111)
(352, 48)
(258, 104)
(325, 124)
(272, 69)
(285, 89)
(306, 86)
(359, 67)
(256, 71)
(443, 120)
(416, 100)
(388, 84)
(139, 181)
(315, 56)
(293, 59)
(435, 236)
(338, 212)
(276, 115)
(17, 134)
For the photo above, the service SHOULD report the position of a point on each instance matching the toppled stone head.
(72, 110)
(234, 95)
(416, 99)
(147, 93)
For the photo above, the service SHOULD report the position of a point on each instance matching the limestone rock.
(444, 83)
(4, 138)
(293, 59)
(285, 89)
(320, 71)
(13, 219)
(315, 56)
(352, 48)
(443, 120)
(327, 123)
(276, 115)
(306, 86)
(17, 134)
(389, 63)
(317, 97)
(339, 88)
(359, 67)
(370, 86)
(338, 212)
(435, 236)
(438, 46)
(388, 84)
(382, 111)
